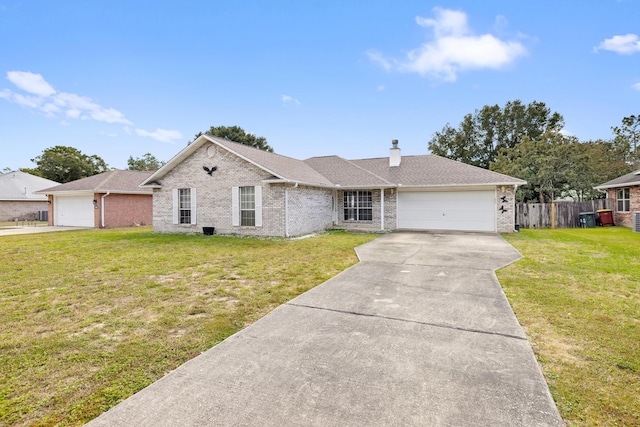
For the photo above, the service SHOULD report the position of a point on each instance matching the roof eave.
(621, 184)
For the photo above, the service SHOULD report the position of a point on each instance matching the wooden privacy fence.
(557, 214)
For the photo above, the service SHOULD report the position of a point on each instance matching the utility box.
(605, 216)
(587, 219)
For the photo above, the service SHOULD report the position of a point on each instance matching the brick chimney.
(394, 154)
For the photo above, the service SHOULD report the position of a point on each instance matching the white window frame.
(360, 204)
(623, 204)
(177, 207)
(237, 206)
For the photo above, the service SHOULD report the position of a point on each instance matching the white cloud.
(287, 98)
(162, 135)
(380, 88)
(636, 86)
(453, 48)
(30, 82)
(624, 45)
(44, 98)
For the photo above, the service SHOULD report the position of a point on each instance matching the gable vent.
(636, 222)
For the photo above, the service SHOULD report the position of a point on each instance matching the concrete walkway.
(419, 333)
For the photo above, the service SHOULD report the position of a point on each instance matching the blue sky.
(123, 78)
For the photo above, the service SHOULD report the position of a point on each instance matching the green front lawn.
(577, 294)
(88, 318)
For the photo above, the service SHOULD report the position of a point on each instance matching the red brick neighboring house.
(17, 198)
(107, 200)
(625, 192)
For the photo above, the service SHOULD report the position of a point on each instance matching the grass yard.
(577, 294)
(88, 318)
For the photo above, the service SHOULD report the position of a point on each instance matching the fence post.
(553, 215)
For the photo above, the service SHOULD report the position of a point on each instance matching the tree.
(628, 135)
(481, 135)
(148, 162)
(239, 135)
(64, 164)
(546, 164)
(557, 166)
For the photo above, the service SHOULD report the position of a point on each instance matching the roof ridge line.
(368, 171)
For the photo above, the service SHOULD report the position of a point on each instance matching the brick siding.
(123, 210)
(309, 208)
(505, 212)
(625, 219)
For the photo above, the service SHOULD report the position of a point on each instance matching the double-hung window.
(358, 206)
(623, 199)
(184, 206)
(247, 206)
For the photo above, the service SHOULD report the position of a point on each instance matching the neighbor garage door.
(73, 211)
(452, 210)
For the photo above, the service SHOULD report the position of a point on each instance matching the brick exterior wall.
(23, 210)
(625, 219)
(505, 211)
(309, 208)
(287, 210)
(123, 210)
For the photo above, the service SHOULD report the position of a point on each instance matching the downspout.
(382, 209)
(102, 207)
(286, 212)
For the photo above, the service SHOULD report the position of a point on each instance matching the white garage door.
(73, 211)
(451, 210)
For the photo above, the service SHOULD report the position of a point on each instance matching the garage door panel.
(464, 210)
(74, 211)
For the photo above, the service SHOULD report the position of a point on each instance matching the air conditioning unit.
(635, 226)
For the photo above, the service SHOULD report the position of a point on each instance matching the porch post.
(382, 209)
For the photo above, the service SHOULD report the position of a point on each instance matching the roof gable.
(19, 185)
(115, 181)
(281, 167)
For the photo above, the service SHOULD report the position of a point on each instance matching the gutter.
(102, 206)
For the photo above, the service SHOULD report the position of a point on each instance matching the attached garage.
(74, 211)
(447, 210)
(107, 200)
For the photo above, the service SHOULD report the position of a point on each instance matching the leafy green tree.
(628, 135)
(481, 135)
(64, 164)
(148, 162)
(239, 135)
(547, 164)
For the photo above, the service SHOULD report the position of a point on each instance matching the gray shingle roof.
(283, 167)
(632, 178)
(115, 181)
(433, 171)
(18, 185)
(334, 171)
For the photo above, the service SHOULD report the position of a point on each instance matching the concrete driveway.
(418, 333)
(35, 230)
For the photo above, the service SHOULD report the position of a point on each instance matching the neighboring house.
(107, 200)
(241, 190)
(17, 198)
(625, 192)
